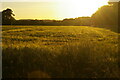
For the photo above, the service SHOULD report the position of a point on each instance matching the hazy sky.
(41, 0)
(114, 0)
(52, 9)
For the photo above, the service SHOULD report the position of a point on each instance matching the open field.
(59, 52)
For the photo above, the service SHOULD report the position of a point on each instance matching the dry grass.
(59, 52)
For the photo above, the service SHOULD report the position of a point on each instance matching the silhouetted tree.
(7, 17)
(107, 16)
(0, 18)
(119, 32)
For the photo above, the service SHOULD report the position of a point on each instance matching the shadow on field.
(73, 61)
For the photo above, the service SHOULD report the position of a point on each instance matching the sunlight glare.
(78, 8)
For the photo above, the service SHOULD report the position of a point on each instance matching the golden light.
(77, 8)
(54, 9)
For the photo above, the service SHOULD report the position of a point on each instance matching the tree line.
(106, 16)
(67, 22)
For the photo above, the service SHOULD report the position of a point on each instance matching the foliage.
(107, 17)
(7, 17)
(84, 21)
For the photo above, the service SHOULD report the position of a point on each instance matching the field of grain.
(59, 52)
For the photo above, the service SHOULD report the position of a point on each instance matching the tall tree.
(7, 17)
(107, 16)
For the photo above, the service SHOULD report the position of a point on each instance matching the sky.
(41, 0)
(52, 9)
(114, 0)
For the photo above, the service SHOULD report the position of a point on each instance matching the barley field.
(59, 52)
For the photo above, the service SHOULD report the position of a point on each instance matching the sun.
(77, 8)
